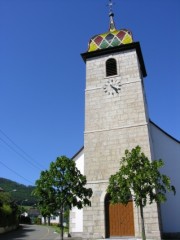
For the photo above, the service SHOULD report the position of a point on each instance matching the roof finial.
(110, 4)
(111, 15)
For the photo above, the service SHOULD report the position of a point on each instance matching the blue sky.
(42, 75)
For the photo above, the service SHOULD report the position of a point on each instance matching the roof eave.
(121, 48)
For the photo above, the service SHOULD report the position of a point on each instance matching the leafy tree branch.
(140, 178)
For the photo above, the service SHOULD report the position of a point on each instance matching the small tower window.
(111, 67)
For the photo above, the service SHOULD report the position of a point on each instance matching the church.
(116, 119)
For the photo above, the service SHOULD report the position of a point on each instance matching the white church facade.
(116, 119)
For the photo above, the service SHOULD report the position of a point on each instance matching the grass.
(58, 230)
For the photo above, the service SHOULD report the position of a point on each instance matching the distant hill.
(22, 195)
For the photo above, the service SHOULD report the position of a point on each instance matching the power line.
(16, 173)
(23, 157)
(21, 150)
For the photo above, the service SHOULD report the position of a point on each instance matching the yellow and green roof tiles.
(110, 39)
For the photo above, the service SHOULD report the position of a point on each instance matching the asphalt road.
(31, 232)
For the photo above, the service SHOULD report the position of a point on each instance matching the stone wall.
(7, 229)
(113, 123)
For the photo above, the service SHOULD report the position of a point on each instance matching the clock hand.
(114, 88)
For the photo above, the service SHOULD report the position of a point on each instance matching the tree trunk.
(61, 224)
(45, 220)
(142, 223)
(49, 220)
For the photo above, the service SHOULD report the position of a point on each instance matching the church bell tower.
(116, 119)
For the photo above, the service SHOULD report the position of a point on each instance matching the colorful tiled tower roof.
(112, 38)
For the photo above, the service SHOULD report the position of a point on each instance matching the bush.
(37, 220)
(8, 215)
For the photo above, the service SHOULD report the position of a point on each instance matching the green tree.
(5, 197)
(140, 178)
(9, 211)
(62, 187)
(46, 195)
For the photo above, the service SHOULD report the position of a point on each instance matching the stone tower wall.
(113, 124)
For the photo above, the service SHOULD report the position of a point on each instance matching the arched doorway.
(119, 219)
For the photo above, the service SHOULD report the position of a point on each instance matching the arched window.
(111, 67)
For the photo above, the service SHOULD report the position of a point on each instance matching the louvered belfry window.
(111, 67)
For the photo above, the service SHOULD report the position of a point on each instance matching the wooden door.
(120, 220)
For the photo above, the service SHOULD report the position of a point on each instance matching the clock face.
(112, 87)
